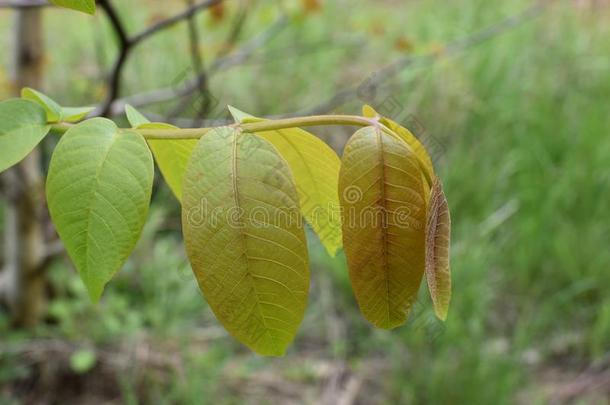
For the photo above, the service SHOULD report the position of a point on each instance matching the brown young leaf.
(438, 237)
(384, 214)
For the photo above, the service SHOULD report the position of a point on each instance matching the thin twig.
(114, 79)
(452, 48)
(201, 76)
(162, 25)
(169, 93)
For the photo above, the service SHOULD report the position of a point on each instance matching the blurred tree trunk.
(25, 249)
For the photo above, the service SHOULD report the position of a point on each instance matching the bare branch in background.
(23, 3)
(452, 48)
(234, 58)
(114, 79)
(167, 23)
(201, 76)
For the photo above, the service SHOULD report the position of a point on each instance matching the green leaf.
(51, 107)
(98, 192)
(406, 135)
(75, 114)
(23, 124)
(135, 117)
(54, 111)
(384, 209)
(244, 236)
(86, 6)
(438, 240)
(315, 167)
(172, 156)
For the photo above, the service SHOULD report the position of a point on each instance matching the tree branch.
(23, 3)
(161, 25)
(114, 79)
(171, 92)
(452, 48)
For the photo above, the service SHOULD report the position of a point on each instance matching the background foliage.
(518, 129)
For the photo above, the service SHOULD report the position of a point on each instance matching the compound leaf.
(384, 208)
(86, 6)
(23, 124)
(438, 236)
(406, 135)
(245, 240)
(98, 191)
(315, 167)
(172, 155)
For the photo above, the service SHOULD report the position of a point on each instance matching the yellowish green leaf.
(245, 240)
(135, 117)
(384, 218)
(438, 240)
(86, 6)
(171, 155)
(407, 136)
(315, 167)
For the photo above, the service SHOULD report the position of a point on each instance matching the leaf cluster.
(246, 191)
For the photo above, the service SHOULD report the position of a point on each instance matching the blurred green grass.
(519, 128)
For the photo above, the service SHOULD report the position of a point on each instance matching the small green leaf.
(172, 155)
(75, 114)
(135, 117)
(54, 111)
(383, 201)
(23, 124)
(51, 107)
(86, 6)
(315, 167)
(438, 241)
(244, 236)
(98, 192)
(82, 361)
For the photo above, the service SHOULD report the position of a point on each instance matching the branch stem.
(261, 126)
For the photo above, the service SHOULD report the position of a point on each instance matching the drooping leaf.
(23, 124)
(245, 240)
(408, 137)
(86, 6)
(438, 237)
(172, 155)
(98, 191)
(75, 114)
(315, 167)
(384, 219)
(50, 106)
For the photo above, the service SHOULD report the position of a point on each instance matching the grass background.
(518, 128)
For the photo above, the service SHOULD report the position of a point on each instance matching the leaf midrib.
(93, 197)
(244, 238)
(383, 204)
